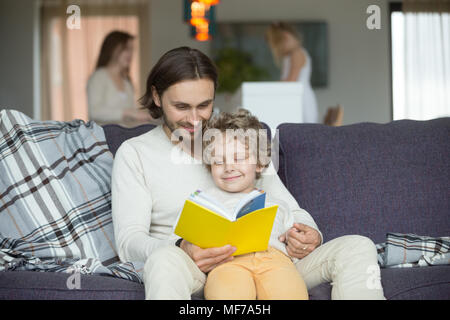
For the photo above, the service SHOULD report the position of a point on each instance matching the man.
(152, 177)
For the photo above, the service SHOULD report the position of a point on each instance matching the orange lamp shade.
(202, 31)
(198, 21)
(209, 2)
(202, 36)
(198, 11)
(202, 27)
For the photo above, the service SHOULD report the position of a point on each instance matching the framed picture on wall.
(248, 39)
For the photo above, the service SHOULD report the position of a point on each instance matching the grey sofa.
(365, 178)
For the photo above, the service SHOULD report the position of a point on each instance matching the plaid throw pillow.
(55, 198)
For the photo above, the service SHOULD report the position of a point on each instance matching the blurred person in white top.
(109, 89)
(295, 64)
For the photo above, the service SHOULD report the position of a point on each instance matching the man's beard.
(188, 139)
(167, 123)
(181, 125)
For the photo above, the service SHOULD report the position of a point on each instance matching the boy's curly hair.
(241, 120)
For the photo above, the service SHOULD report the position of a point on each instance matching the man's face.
(233, 167)
(186, 105)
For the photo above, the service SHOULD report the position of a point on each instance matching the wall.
(168, 30)
(359, 65)
(16, 55)
(359, 71)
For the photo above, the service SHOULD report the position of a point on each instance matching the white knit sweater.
(106, 102)
(151, 180)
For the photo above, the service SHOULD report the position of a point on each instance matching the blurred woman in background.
(295, 64)
(109, 90)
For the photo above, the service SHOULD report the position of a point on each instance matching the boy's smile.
(233, 168)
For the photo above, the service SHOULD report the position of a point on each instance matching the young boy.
(236, 161)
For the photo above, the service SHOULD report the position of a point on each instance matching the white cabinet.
(272, 102)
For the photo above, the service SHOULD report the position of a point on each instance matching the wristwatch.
(178, 242)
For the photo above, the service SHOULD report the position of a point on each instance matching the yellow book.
(205, 228)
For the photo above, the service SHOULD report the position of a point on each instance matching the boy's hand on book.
(208, 259)
(300, 240)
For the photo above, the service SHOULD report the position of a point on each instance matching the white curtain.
(421, 64)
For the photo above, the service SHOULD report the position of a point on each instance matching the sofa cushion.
(370, 178)
(398, 284)
(425, 283)
(53, 286)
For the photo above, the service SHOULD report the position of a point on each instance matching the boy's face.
(233, 167)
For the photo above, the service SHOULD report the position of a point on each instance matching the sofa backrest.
(116, 134)
(370, 178)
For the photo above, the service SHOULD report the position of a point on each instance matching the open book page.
(250, 202)
(253, 201)
(211, 203)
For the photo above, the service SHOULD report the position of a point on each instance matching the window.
(420, 44)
